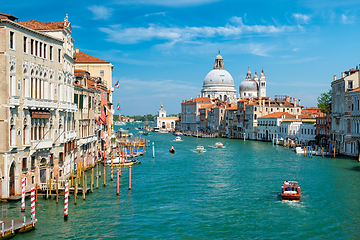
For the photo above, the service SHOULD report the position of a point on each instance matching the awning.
(103, 120)
(97, 121)
(40, 114)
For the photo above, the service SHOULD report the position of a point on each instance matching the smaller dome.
(255, 75)
(248, 85)
(248, 72)
(219, 56)
(262, 74)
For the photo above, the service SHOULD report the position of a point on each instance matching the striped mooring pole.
(23, 194)
(66, 201)
(112, 165)
(33, 204)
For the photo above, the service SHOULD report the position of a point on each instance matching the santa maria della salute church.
(219, 84)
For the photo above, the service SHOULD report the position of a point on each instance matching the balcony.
(70, 135)
(41, 144)
(86, 140)
(68, 106)
(14, 101)
(40, 103)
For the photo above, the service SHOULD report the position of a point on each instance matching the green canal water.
(229, 193)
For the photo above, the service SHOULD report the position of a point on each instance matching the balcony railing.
(68, 106)
(70, 135)
(14, 100)
(40, 103)
(88, 139)
(40, 144)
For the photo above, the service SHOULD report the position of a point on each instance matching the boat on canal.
(200, 149)
(219, 144)
(290, 191)
(178, 138)
(172, 149)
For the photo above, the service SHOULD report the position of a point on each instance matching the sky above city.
(163, 49)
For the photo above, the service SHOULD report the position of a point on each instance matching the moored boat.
(290, 191)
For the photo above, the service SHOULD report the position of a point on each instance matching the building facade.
(37, 109)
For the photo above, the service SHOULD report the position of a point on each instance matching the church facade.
(219, 84)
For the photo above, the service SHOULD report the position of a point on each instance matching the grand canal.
(229, 193)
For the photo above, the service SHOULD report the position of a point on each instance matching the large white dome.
(248, 85)
(217, 77)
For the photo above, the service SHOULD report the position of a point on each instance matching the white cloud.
(156, 14)
(347, 19)
(301, 18)
(100, 12)
(167, 3)
(237, 28)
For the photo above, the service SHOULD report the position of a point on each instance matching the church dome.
(262, 74)
(248, 85)
(219, 77)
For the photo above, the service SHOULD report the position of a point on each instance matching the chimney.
(299, 101)
(295, 102)
(335, 78)
(291, 99)
(343, 74)
(77, 50)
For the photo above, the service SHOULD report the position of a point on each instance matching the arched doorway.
(12, 180)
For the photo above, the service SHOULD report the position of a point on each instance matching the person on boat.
(172, 149)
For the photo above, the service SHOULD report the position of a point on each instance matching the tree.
(325, 101)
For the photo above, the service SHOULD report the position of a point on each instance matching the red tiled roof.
(81, 57)
(279, 115)
(355, 90)
(232, 108)
(36, 25)
(200, 99)
(311, 108)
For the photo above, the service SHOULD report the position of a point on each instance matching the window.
(25, 44)
(36, 48)
(61, 158)
(24, 167)
(350, 84)
(59, 57)
(101, 73)
(12, 40)
(51, 53)
(45, 50)
(32, 162)
(40, 49)
(89, 102)
(32, 47)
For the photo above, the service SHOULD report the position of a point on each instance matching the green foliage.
(325, 101)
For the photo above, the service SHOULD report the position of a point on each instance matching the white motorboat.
(219, 145)
(119, 123)
(178, 138)
(200, 149)
(299, 150)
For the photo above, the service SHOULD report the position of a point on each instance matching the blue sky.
(163, 49)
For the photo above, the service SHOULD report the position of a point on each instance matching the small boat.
(178, 138)
(299, 150)
(200, 149)
(119, 123)
(172, 150)
(219, 145)
(290, 191)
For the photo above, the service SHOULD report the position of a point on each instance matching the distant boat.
(200, 149)
(219, 145)
(119, 123)
(178, 139)
(290, 191)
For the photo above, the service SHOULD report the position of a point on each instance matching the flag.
(116, 84)
(118, 107)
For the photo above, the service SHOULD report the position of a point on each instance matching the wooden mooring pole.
(57, 189)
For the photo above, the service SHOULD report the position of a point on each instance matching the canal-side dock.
(12, 226)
